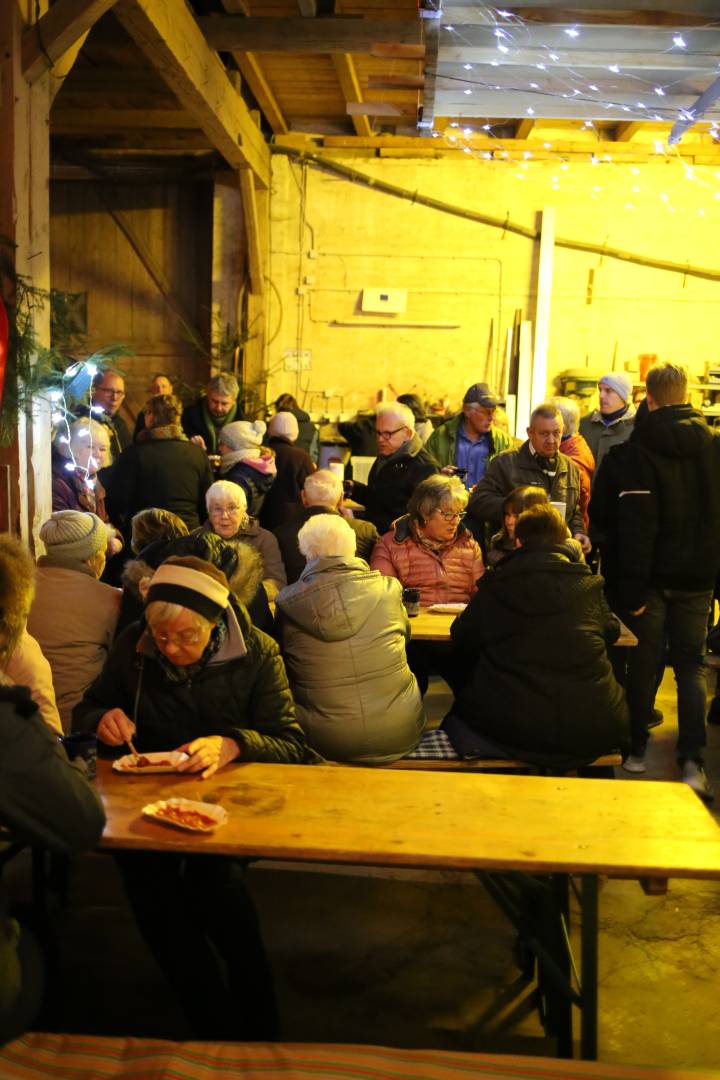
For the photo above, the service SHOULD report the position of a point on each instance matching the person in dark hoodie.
(402, 463)
(308, 437)
(535, 638)
(664, 550)
(282, 501)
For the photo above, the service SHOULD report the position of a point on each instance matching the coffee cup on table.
(560, 507)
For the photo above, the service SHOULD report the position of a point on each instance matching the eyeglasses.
(185, 640)
(109, 393)
(451, 515)
(222, 511)
(388, 434)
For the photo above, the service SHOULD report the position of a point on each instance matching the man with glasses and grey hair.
(402, 463)
(322, 494)
(203, 420)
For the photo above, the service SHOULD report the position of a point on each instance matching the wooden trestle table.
(509, 830)
(435, 626)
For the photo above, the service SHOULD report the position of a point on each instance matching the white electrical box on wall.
(375, 301)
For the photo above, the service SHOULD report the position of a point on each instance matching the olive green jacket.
(443, 441)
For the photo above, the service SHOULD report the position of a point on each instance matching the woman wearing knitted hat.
(247, 463)
(198, 676)
(73, 615)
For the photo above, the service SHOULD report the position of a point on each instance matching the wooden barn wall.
(170, 253)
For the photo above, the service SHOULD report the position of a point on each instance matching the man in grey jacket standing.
(537, 462)
(612, 423)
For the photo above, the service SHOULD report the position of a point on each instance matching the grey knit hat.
(285, 425)
(242, 434)
(620, 382)
(74, 534)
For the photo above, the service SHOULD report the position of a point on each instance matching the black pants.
(426, 658)
(200, 923)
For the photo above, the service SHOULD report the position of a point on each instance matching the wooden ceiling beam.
(252, 233)
(254, 76)
(299, 35)
(624, 132)
(620, 17)
(675, 62)
(396, 82)
(350, 86)
(57, 31)
(169, 37)
(384, 50)
(64, 120)
(379, 108)
(523, 129)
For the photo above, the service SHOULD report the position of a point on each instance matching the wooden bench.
(38, 1056)
(607, 763)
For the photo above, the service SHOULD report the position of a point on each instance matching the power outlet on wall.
(297, 359)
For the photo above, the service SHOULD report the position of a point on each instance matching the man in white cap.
(613, 422)
(73, 615)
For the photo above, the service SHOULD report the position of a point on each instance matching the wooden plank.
(254, 76)
(350, 86)
(252, 233)
(64, 65)
(169, 37)
(626, 131)
(107, 120)
(543, 306)
(530, 56)
(523, 128)
(377, 108)
(396, 82)
(299, 35)
(435, 820)
(429, 97)
(56, 32)
(390, 51)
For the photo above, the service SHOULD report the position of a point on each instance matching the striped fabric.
(434, 745)
(81, 1057)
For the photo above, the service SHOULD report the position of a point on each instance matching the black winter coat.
(283, 499)
(172, 474)
(194, 422)
(535, 637)
(389, 486)
(254, 483)
(242, 694)
(656, 507)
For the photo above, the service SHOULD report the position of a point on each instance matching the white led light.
(499, 33)
(502, 48)
(487, 155)
(554, 56)
(534, 86)
(467, 91)
(592, 86)
(467, 131)
(547, 145)
(636, 190)
(659, 91)
(664, 197)
(659, 148)
(679, 41)
(63, 439)
(91, 369)
(487, 127)
(97, 409)
(541, 67)
(454, 124)
(494, 63)
(530, 111)
(468, 67)
(629, 206)
(635, 171)
(527, 154)
(614, 68)
(701, 213)
(467, 150)
(572, 32)
(450, 28)
(70, 466)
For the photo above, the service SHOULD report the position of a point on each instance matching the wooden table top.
(432, 626)
(429, 820)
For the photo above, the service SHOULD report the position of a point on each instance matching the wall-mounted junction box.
(375, 301)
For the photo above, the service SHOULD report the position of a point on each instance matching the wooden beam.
(523, 129)
(62, 67)
(619, 17)
(108, 120)
(432, 46)
(298, 35)
(350, 86)
(253, 75)
(377, 108)
(633, 58)
(396, 82)
(384, 50)
(169, 37)
(56, 32)
(252, 233)
(626, 131)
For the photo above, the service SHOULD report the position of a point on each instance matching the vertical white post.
(543, 306)
(525, 373)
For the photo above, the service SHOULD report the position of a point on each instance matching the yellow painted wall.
(466, 274)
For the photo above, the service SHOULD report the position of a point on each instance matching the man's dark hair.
(667, 384)
(541, 526)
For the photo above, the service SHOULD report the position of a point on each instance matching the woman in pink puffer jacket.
(430, 549)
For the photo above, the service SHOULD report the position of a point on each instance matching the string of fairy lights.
(62, 415)
(519, 44)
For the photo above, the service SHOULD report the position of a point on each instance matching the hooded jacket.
(667, 524)
(254, 472)
(535, 637)
(266, 545)
(242, 694)
(448, 576)
(293, 467)
(392, 481)
(576, 448)
(343, 629)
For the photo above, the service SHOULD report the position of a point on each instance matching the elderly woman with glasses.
(228, 518)
(429, 549)
(196, 675)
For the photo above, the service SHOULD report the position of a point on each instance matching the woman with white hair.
(78, 452)
(228, 518)
(574, 446)
(293, 466)
(402, 463)
(343, 630)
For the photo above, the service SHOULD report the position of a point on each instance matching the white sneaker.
(634, 764)
(694, 776)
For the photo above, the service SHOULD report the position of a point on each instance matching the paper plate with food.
(186, 814)
(156, 761)
(447, 609)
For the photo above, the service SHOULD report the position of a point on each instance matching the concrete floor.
(413, 959)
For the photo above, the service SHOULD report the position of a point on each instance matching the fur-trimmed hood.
(245, 578)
